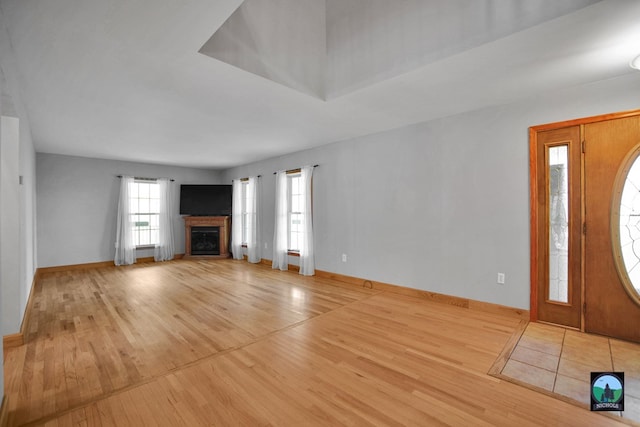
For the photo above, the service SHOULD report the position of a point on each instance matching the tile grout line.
(613, 368)
(555, 378)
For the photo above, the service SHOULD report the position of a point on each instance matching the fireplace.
(206, 236)
(205, 240)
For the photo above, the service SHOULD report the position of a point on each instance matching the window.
(244, 208)
(144, 208)
(294, 212)
(246, 204)
(245, 220)
(144, 219)
(293, 231)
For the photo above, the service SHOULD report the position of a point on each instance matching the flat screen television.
(205, 200)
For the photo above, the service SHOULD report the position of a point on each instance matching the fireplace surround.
(206, 236)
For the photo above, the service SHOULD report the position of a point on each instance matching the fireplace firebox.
(205, 240)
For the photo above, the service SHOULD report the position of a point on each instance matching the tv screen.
(205, 200)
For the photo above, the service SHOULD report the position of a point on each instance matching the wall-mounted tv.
(205, 200)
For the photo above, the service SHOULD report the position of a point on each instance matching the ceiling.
(216, 84)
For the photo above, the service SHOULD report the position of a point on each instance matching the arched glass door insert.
(625, 223)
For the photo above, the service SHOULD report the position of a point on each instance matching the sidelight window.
(558, 223)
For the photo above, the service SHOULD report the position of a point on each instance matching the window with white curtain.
(244, 208)
(293, 230)
(245, 223)
(294, 212)
(145, 219)
(144, 208)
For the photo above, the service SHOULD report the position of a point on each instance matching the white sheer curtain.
(125, 243)
(164, 250)
(280, 260)
(253, 219)
(236, 220)
(307, 256)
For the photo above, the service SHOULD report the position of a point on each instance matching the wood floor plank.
(94, 332)
(223, 342)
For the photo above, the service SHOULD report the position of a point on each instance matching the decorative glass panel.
(630, 227)
(558, 224)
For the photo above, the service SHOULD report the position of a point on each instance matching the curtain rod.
(247, 178)
(296, 170)
(140, 178)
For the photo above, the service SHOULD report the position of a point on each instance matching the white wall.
(2, 84)
(19, 213)
(77, 205)
(441, 205)
(10, 254)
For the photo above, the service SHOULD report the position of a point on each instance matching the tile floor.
(560, 361)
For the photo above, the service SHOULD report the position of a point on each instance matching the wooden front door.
(578, 276)
(609, 309)
(559, 296)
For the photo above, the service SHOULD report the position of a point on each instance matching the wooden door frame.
(534, 174)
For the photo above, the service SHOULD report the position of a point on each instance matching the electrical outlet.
(344, 257)
(501, 278)
(265, 245)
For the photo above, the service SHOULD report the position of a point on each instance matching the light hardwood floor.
(229, 343)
